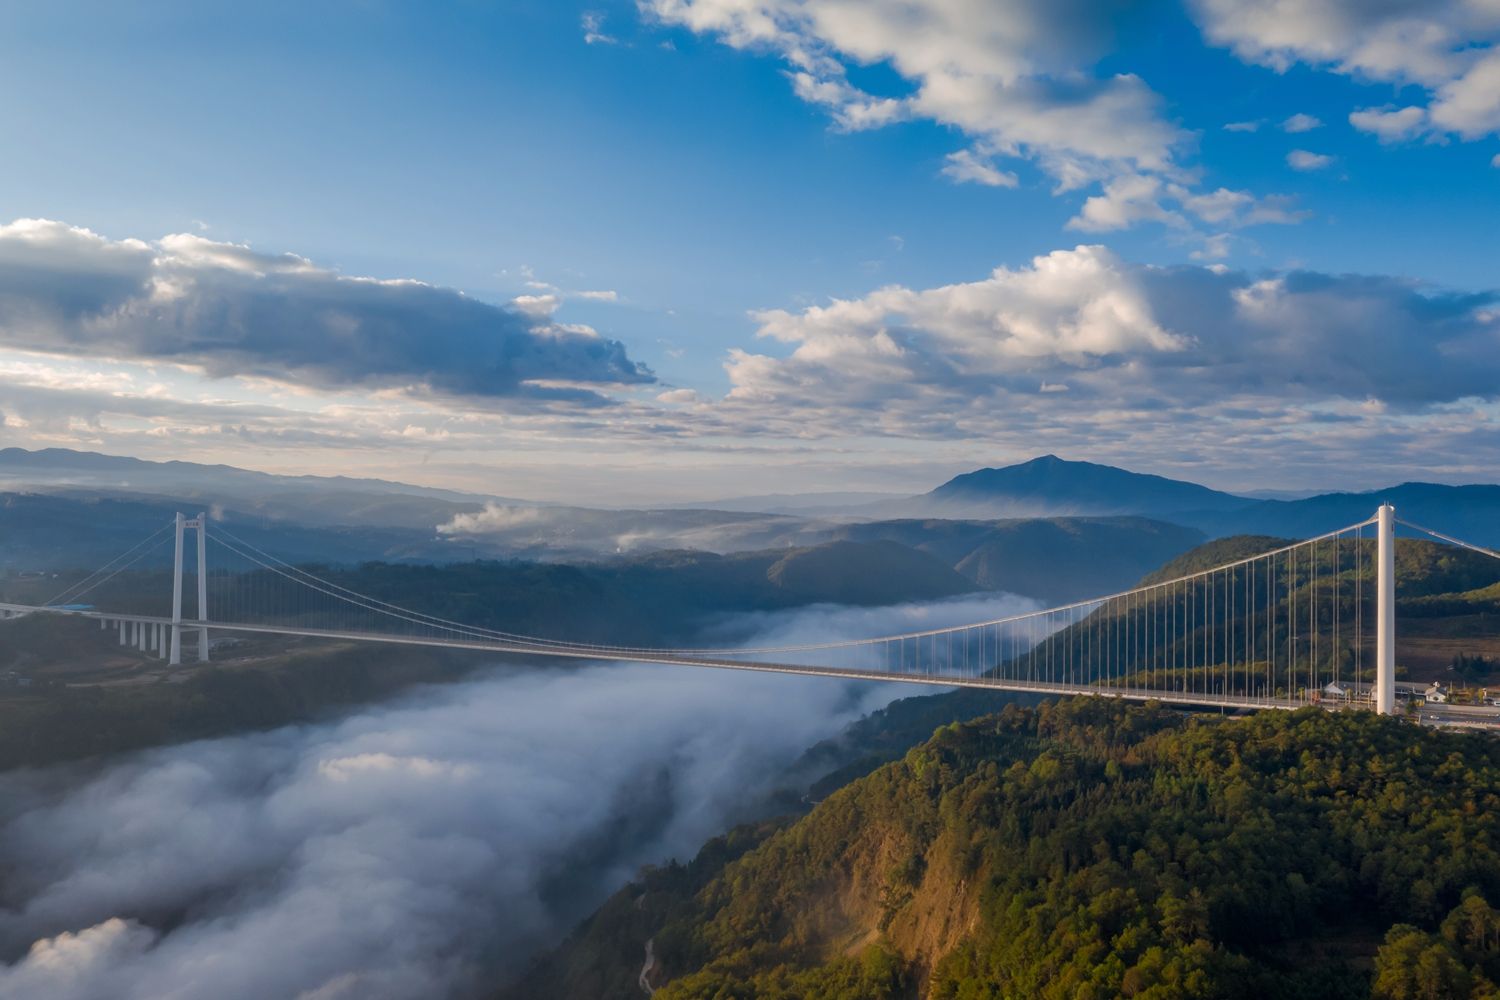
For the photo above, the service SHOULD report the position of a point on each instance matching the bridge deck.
(1185, 698)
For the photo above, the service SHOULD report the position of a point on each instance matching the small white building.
(1436, 694)
(1333, 690)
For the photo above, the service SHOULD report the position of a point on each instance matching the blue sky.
(673, 161)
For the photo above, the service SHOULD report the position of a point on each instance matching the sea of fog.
(424, 847)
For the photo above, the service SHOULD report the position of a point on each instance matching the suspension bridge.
(1313, 622)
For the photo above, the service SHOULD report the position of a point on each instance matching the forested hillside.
(1052, 559)
(1234, 636)
(1089, 849)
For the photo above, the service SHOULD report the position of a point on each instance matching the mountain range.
(445, 524)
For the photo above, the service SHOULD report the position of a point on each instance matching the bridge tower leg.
(1385, 611)
(174, 657)
(202, 523)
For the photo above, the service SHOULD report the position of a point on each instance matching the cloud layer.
(1086, 314)
(416, 850)
(1079, 351)
(1084, 346)
(228, 310)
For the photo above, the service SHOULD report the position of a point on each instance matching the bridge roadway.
(1198, 700)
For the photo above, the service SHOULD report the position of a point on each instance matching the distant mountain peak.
(1049, 485)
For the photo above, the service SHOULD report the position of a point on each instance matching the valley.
(74, 697)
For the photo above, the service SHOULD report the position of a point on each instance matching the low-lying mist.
(422, 848)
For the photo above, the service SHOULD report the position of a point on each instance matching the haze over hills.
(1054, 559)
(1047, 559)
(1472, 512)
(822, 504)
(339, 500)
(417, 522)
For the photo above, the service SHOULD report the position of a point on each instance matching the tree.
(1415, 965)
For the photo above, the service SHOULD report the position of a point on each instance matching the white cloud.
(227, 310)
(1201, 358)
(1126, 201)
(1495, 162)
(1448, 47)
(1243, 127)
(536, 305)
(1390, 124)
(1215, 247)
(1129, 200)
(1301, 123)
(1017, 79)
(679, 396)
(1469, 105)
(1161, 350)
(1076, 304)
(1014, 78)
(592, 23)
(851, 108)
(598, 295)
(1301, 159)
(965, 166)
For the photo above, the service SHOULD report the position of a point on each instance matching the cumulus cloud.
(423, 848)
(1192, 352)
(965, 166)
(1390, 124)
(679, 396)
(1124, 202)
(227, 310)
(1301, 123)
(536, 305)
(1016, 79)
(1301, 159)
(1130, 199)
(1215, 247)
(1449, 47)
(1226, 207)
(1160, 360)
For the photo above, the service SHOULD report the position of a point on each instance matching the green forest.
(1088, 849)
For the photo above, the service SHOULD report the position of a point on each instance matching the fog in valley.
(428, 846)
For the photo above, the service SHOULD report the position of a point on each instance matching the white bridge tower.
(200, 525)
(1385, 610)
